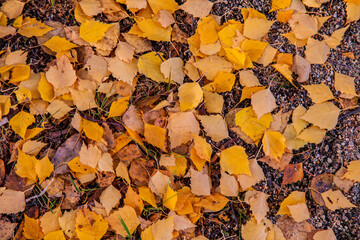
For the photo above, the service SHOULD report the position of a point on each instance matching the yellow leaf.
(43, 168)
(170, 198)
(128, 216)
(30, 133)
(20, 73)
(31, 27)
(18, 22)
(23, 94)
(319, 92)
(214, 202)
(323, 115)
(146, 195)
(90, 155)
(247, 92)
(173, 69)
(133, 200)
(122, 171)
(251, 13)
(79, 14)
(247, 120)
(109, 198)
(32, 229)
(279, 4)
(200, 152)
(294, 40)
(325, 234)
(190, 96)
(76, 166)
(263, 102)
(149, 65)
(223, 82)
(45, 89)
(274, 145)
(57, 235)
(299, 212)
(49, 222)
(294, 198)
(256, 28)
(147, 234)
(155, 135)
(353, 11)
(284, 16)
(20, 122)
(211, 65)
(253, 48)
(284, 69)
(229, 32)
(336, 200)
(5, 105)
(303, 25)
(180, 166)
(59, 45)
(213, 102)
(214, 126)
(353, 171)
(254, 230)
(197, 8)
(237, 57)
(163, 228)
(234, 160)
(208, 30)
(152, 30)
(67, 223)
(157, 5)
(228, 185)
(58, 109)
(345, 84)
(90, 225)
(316, 51)
(119, 107)
(312, 134)
(335, 39)
(247, 78)
(92, 130)
(93, 31)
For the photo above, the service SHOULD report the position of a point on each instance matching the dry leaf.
(293, 173)
(253, 230)
(325, 234)
(211, 65)
(234, 160)
(294, 198)
(214, 126)
(345, 84)
(263, 102)
(61, 74)
(257, 175)
(20, 122)
(335, 39)
(109, 198)
(274, 145)
(336, 200)
(200, 183)
(6, 229)
(303, 25)
(197, 8)
(323, 115)
(149, 65)
(190, 96)
(89, 225)
(173, 70)
(319, 92)
(258, 204)
(228, 185)
(316, 51)
(12, 201)
(302, 68)
(256, 28)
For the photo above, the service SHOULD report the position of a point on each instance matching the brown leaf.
(319, 184)
(105, 179)
(285, 160)
(72, 197)
(6, 229)
(342, 183)
(292, 173)
(293, 230)
(140, 172)
(2, 171)
(302, 68)
(66, 152)
(129, 153)
(15, 182)
(109, 136)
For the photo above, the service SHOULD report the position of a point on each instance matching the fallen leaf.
(127, 215)
(20, 122)
(155, 135)
(31, 27)
(58, 109)
(90, 225)
(303, 25)
(146, 195)
(294, 198)
(61, 74)
(201, 152)
(312, 134)
(92, 130)
(336, 200)
(316, 51)
(257, 175)
(158, 183)
(162, 229)
(12, 202)
(234, 160)
(253, 230)
(345, 84)
(302, 68)
(214, 203)
(58, 235)
(49, 221)
(319, 92)
(197, 8)
(248, 79)
(173, 70)
(214, 126)
(109, 198)
(274, 145)
(170, 198)
(299, 212)
(258, 204)
(12, 8)
(7, 229)
(228, 185)
(32, 229)
(200, 183)
(293, 230)
(325, 234)
(190, 96)
(293, 173)
(323, 115)
(335, 39)
(213, 102)
(149, 65)
(93, 31)
(321, 183)
(263, 102)
(341, 182)
(256, 28)
(59, 45)
(211, 65)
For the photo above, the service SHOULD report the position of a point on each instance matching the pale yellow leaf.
(67, 223)
(173, 70)
(197, 8)
(129, 217)
(12, 201)
(312, 134)
(162, 229)
(49, 222)
(149, 65)
(325, 234)
(257, 175)
(323, 115)
(263, 102)
(211, 65)
(316, 51)
(90, 155)
(228, 185)
(158, 183)
(213, 102)
(319, 92)
(109, 198)
(61, 74)
(336, 200)
(294, 198)
(200, 183)
(345, 84)
(214, 126)
(248, 79)
(303, 25)
(258, 204)
(256, 28)
(299, 212)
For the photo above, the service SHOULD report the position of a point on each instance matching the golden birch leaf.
(92, 130)
(153, 30)
(109, 198)
(252, 126)
(211, 65)
(345, 84)
(274, 145)
(12, 8)
(173, 70)
(93, 31)
(32, 229)
(279, 4)
(25, 166)
(59, 45)
(299, 212)
(316, 51)
(247, 78)
(263, 102)
(147, 196)
(61, 74)
(76, 166)
(67, 223)
(303, 25)
(312, 134)
(128, 216)
(294, 198)
(319, 92)
(20, 73)
(163, 228)
(214, 203)
(253, 48)
(284, 69)
(247, 92)
(197, 8)
(267, 56)
(234, 160)
(200, 153)
(90, 155)
(255, 28)
(258, 204)
(43, 169)
(208, 30)
(200, 183)
(170, 198)
(31, 27)
(83, 99)
(257, 175)
(335, 39)
(336, 200)
(20, 122)
(45, 89)
(323, 115)
(214, 126)
(122, 171)
(228, 185)
(352, 11)
(49, 222)
(223, 82)
(56, 235)
(298, 123)
(58, 109)
(12, 201)
(353, 171)
(254, 230)
(325, 234)
(119, 107)
(149, 65)
(190, 96)
(90, 225)
(157, 5)
(155, 135)
(213, 102)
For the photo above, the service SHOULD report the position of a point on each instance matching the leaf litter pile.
(162, 119)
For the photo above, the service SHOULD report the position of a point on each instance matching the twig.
(356, 111)
(41, 193)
